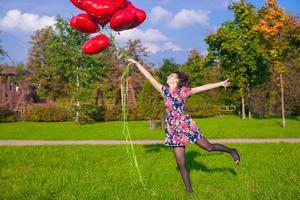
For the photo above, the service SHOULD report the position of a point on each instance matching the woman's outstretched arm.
(152, 80)
(210, 86)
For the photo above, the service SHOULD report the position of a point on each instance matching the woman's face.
(172, 79)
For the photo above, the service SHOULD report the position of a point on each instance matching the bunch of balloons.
(120, 14)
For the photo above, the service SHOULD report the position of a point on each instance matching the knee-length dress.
(180, 128)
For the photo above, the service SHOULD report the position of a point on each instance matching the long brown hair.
(183, 80)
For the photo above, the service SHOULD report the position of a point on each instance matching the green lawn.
(267, 171)
(228, 126)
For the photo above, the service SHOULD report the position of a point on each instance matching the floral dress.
(180, 128)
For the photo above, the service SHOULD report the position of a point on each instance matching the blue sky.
(171, 29)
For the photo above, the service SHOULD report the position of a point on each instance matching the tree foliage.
(166, 68)
(68, 65)
(234, 46)
(194, 68)
(2, 51)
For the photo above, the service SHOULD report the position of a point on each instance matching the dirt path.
(120, 142)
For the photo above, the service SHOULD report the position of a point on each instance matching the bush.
(88, 113)
(296, 111)
(115, 113)
(203, 110)
(47, 114)
(7, 115)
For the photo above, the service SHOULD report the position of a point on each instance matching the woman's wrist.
(221, 84)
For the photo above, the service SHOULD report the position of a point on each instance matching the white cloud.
(159, 14)
(183, 18)
(155, 48)
(189, 17)
(154, 40)
(149, 35)
(171, 46)
(26, 22)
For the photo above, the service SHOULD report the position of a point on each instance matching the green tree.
(21, 73)
(150, 104)
(68, 65)
(166, 68)
(235, 47)
(193, 68)
(136, 50)
(37, 65)
(2, 52)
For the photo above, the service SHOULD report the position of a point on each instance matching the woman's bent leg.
(206, 145)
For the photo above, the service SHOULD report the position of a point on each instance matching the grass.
(267, 171)
(227, 126)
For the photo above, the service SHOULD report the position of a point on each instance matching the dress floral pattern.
(180, 128)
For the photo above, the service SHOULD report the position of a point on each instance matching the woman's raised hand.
(131, 60)
(225, 83)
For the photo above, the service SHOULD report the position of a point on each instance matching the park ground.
(266, 171)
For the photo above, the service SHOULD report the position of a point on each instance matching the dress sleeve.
(185, 91)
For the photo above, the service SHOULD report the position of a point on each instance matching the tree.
(150, 104)
(193, 68)
(37, 65)
(137, 51)
(21, 73)
(2, 52)
(272, 25)
(166, 68)
(234, 46)
(67, 64)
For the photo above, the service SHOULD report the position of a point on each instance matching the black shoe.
(236, 156)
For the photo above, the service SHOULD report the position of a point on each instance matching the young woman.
(180, 128)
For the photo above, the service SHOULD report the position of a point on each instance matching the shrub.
(47, 113)
(7, 115)
(203, 110)
(115, 113)
(88, 113)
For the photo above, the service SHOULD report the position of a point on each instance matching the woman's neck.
(173, 86)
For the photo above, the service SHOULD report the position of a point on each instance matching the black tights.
(179, 153)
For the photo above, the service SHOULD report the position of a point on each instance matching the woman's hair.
(183, 79)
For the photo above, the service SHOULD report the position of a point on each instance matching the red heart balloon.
(96, 44)
(78, 3)
(118, 4)
(99, 8)
(141, 16)
(123, 19)
(82, 22)
(97, 20)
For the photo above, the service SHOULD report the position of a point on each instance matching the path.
(120, 142)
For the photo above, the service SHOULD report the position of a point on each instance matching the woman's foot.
(189, 191)
(236, 156)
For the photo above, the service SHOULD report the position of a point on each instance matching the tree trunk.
(153, 124)
(249, 104)
(243, 105)
(282, 102)
(77, 101)
(100, 94)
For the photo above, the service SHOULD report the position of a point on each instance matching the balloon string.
(126, 132)
(129, 145)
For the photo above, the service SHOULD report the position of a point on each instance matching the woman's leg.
(179, 153)
(206, 145)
